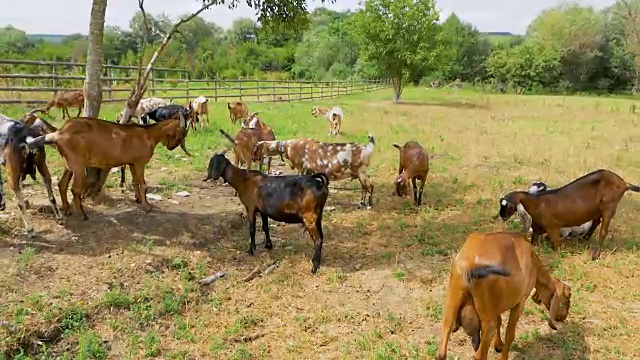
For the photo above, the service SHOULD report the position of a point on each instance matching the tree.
(92, 87)
(629, 12)
(464, 51)
(401, 37)
(576, 32)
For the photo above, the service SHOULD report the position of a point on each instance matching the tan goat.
(333, 115)
(493, 273)
(237, 110)
(67, 99)
(413, 165)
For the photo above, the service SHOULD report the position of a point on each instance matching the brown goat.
(413, 165)
(493, 273)
(67, 99)
(237, 110)
(86, 142)
(252, 121)
(244, 144)
(594, 196)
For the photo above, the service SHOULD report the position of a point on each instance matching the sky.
(51, 17)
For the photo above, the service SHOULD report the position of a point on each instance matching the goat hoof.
(441, 356)
(314, 270)
(498, 348)
(268, 246)
(368, 207)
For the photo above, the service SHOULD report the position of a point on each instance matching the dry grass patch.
(123, 285)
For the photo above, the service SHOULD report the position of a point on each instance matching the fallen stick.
(212, 278)
(248, 338)
(270, 268)
(253, 274)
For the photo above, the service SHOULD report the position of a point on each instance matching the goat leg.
(138, 177)
(592, 229)
(424, 180)
(415, 190)
(63, 186)
(183, 146)
(252, 231)
(76, 191)
(607, 215)
(497, 342)
(313, 224)
(79, 110)
(455, 297)
(265, 228)
(510, 333)
(43, 169)
(488, 326)
(122, 170)
(554, 236)
(14, 183)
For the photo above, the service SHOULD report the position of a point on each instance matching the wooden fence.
(34, 82)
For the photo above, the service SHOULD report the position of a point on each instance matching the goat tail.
(323, 179)
(484, 271)
(228, 105)
(40, 141)
(397, 146)
(225, 134)
(634, 188)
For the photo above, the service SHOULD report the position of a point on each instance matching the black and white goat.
(19, 161)
(170, 111)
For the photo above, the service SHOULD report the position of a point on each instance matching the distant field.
(123, 285)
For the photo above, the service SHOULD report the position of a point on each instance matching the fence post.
(300, 91)
(153, 82)
(215, 90)
(273, 89)
(188, 75)
(240, 90)
(321, 89)
(258, 88)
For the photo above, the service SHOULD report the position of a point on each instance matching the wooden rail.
(34, 82)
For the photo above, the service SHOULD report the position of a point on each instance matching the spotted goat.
(333, 115)
(337, 160)
(144, 106)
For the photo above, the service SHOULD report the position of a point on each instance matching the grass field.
(123, 285)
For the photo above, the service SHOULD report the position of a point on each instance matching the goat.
(493, 273)
(584, 231)
(594, 196)
(144, 106)
(87, 142)
(166, 112)
(252, 122)
(337, 160)
(413, 165)
(292, 199)
(333, 115)
(244, 145)
(19, 161)
(66, 99)
(200, 108)
(237, 110)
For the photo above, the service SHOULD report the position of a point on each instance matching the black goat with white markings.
(291, 199)
(167, 112)
(20, 161)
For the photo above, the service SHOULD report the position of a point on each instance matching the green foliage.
(464, 51)
(401, 37)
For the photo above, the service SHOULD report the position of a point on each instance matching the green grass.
(123, 285)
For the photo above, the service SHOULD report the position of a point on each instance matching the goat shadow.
(568, 342)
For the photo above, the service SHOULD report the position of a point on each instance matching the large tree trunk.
(397, 88)
(93, 88)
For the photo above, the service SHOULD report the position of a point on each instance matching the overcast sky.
(52, 17)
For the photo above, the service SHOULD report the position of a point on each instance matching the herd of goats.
(492, 272)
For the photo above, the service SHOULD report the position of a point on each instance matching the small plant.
(398, 274)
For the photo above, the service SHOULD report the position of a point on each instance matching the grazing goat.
(67, 99)
(237, 110)
(413, 165)
(292, 199)
(337, 160)
(244, 146)
(87, 142)
(594, 196)
(584, 231)
(144, 106)
(19, 161)
(493, 273)
(333, 115)
(200, 108)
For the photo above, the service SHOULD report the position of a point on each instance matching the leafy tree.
(464, 51)
(401, 37)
